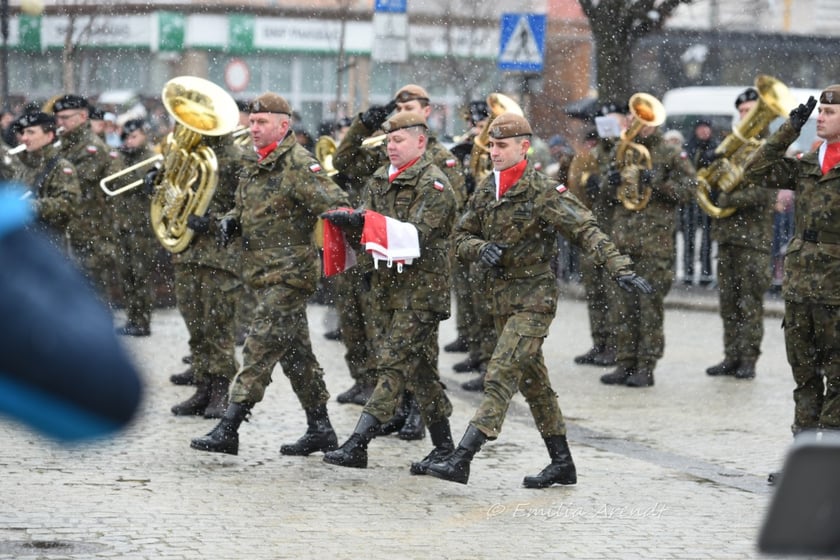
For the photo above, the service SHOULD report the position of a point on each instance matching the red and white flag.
(390, 240)
(338, 254)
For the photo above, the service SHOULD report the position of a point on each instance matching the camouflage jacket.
(650, 232)
(131, 208)
(278, 201)
(598, 163)
(751, 226)
(421, 195)
(812, 261)
(93, 160)
(57, 196)
(526, 221)
(358, 163)
(204, 248)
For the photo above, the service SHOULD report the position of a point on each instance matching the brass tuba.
(189, 175)
(480, 164)
(727, 170)
(631, 157)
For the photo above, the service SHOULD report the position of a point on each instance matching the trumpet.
(480, 165)
(632, 157)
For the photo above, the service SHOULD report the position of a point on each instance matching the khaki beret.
(69, 101)
(410, 93)
(508, 125)
(402, 120)
(270, 103)
(831, 95)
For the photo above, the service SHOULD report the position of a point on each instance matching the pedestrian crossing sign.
(522, 42)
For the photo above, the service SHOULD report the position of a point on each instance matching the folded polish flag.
(390, 240)
(338, 254)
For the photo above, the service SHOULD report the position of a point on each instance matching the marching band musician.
(744, 241)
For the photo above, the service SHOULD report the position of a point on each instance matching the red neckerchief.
(394, 174)
(831, 157)
(263, 152)
(506, 178)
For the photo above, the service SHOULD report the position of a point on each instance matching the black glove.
(199, 224)
(366, 281)
(714, 195)
(614, 177)
(799, 116)
(632, 281)
(149, 181)
(645, 177)
(490, 255)
(376, 115)
(345, 218)
(706, 158)
(228, 229)
(593, 185)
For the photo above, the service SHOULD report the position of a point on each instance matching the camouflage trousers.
(812, 341)
(136, 252)
(279, 332)
(407, 359)
(206, 298)
(743, 277)
(465, 318)
(600, 302)
(357, 331)
(641, 317)
(518, 365)
(483, 335)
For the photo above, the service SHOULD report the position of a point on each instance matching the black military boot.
(467, 365)
(589, 356)
(184, 378)
(456, 467)
(477, 383)
(746, 369)
(348, 395)
(642, 377)
(442, 440)
(618, 376)
(413, 428)
(727, 367)
(353, 452)
(224, 438)
(605, 358)
(195, 405)
(458, 345)
(397, 421)
(319, 435)
(218, 397)
(560, 471)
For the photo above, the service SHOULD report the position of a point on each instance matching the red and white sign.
(237, 75)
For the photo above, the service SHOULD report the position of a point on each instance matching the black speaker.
(804, 514)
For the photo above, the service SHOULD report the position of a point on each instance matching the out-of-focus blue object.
(62, 369)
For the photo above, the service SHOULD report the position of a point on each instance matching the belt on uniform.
(814, 236)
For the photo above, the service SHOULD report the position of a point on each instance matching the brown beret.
(270, 103)
(831, 95)
(508, 125)
(404, 119)
(410, 93)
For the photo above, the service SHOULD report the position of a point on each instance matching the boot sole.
(203, 447)
(431, 472)
(535, 484)
(292, 452)
(342, 463)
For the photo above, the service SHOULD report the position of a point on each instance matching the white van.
(683, 106)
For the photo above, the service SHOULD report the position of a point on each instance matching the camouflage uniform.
(277, 204)
(207, 283)
(57, 194)
(409, 305)
(811, 287)
(135, 243)
(91, 232)
(744, 242)
(524, 291)
(648, 237)
(601, 295)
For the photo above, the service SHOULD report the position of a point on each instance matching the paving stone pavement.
(674, 471)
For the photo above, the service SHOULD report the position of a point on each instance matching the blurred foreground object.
(804, 514)
(62, 370)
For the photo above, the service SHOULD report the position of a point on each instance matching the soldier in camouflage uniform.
(811, 287)
(744, 242)
(646, 235)
(135, 241)
(92, 230)
(408, 300)
(511, 225)
(207, 287)
(278, 200)
(358, 164)
(52, 181)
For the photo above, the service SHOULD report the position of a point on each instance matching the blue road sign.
(391, 6)
(522, 42)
